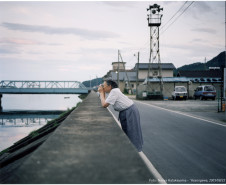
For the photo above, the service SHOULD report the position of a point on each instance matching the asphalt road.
(182, 148)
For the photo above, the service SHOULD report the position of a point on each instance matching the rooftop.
(185, 79)
(132, 75)
(198, 74)
(155, 66)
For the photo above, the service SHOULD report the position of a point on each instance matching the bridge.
(12, 121)
(27, 117)
(42, 87)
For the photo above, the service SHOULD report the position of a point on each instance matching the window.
(155, 73)
(209, 88)
(180, 89)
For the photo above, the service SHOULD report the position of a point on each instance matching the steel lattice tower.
(154, 21)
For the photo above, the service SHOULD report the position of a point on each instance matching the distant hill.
(94, 82)
(218, 61)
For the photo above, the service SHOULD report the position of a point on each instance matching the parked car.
(205, 92)
(180, 92)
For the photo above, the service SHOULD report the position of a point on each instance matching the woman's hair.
(112, 83)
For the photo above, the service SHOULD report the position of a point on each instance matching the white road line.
(148, 163)
(152, 169)
(182, 114)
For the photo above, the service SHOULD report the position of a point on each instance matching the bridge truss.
(42, 87)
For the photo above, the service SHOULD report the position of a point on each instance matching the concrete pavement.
(88, 147)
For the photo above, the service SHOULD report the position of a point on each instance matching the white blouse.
(118, 100)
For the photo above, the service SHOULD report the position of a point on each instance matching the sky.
(79, 40)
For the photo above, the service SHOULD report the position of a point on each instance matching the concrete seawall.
(88, 147)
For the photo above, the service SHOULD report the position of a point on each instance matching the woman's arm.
(102, 97)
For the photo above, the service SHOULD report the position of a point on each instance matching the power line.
(178, 16)
(174, 15)
(146, 43)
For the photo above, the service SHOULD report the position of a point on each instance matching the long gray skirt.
(130, 122)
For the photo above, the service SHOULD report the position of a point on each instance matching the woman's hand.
(101, 89)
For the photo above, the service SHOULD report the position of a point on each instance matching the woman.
(128, 113)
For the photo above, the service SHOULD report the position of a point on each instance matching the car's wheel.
(213, 98)
(201, 98)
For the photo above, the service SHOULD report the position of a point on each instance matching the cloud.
(85, 33)
(199, 41)
(203, 7)
(8, 50)
(119, 4)
(17, 41)
(199, 9)
(90, 67)
(206, 30)
(176, 46)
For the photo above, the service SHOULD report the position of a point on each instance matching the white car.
(180, 92)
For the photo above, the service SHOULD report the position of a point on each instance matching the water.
(14, 127)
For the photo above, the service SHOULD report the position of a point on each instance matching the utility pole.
(126, 73)
(137, 75)
(154, 21)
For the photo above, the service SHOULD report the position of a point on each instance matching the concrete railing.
(88, 147)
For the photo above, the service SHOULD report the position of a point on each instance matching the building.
(190, 79)
(128, 78)
(205, 77)
(167, 70)
(118, 66)
(169, 84)
(212, 73)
